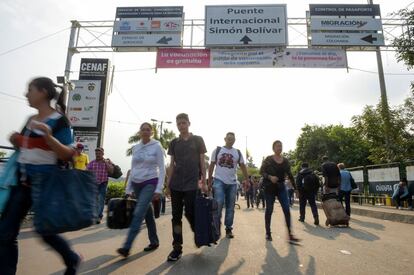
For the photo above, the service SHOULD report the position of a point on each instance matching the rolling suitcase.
(334, 211)
(120, 213)
(207, 224)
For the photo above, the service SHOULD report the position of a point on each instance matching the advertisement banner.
(83, 103)
(358, 176)
(183, 58)
(251, 58)
(89, 141)
(145, 25)
(147, 40)
(381, 181)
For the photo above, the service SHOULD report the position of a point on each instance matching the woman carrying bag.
(43, 142)
(146, 180)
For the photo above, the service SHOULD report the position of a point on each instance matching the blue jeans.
(16, 209)
(225, 194)
(102, 187)
(282, 196)
(143, 209)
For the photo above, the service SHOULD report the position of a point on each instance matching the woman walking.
(146, 180)
(274, 169)
(43, 142)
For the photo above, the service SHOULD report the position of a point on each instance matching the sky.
(259, 105)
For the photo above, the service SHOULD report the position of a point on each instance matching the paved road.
(370, 246)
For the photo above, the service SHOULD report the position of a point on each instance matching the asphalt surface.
(369, 246)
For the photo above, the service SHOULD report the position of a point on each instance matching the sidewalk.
(381, 212)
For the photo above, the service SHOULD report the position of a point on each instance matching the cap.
(99, 149)
(79, 146)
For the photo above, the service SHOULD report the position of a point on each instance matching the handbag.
(353, 184)
(64, 200)
(8, 178)
(117, 172)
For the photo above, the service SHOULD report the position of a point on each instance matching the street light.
(161, 123)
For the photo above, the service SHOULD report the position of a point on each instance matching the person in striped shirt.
(43, 143)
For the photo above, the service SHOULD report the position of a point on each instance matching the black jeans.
(16, 209)
(282, 196)
(250, 199)
(407, 198)
(180, 200)
(347, 196)
(303, 199)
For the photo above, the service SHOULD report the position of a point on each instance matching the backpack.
(311, 183)
(218, 152)
(117, 173)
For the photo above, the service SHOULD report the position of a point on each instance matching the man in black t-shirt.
(331, 175)
(185, 175)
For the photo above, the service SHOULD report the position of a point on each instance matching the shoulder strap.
(217, 152)
(240, 155)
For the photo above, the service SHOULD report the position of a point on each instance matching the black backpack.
(218, 152)
(311, 183)
(117, 173)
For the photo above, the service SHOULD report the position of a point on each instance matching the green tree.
(2, 154)
(404, 44)
(370, 127)
(339, 143)
(165, 139)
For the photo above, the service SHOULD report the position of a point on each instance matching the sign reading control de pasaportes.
(246, 25)
(344, 10)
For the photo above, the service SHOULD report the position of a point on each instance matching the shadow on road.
(372, 225)
(275, 264)
(331, 233)
(207, 261)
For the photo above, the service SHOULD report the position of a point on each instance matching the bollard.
(388, 200)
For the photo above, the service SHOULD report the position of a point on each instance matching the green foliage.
(2, 154)
(339, 143)
(165, 139)
(404, 44)
(251, 171)
(115, 190)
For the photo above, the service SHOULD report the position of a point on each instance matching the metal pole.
(71, 51)
(385, 112)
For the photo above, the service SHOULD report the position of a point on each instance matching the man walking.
(101, 167)
(185, 175)
(225, 160)
(308, 185)
(331, 175)
(346, 188)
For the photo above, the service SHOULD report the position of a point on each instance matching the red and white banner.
(251, 58)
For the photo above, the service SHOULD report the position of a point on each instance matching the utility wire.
(34, 41)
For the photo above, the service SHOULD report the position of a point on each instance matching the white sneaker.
(399, 207)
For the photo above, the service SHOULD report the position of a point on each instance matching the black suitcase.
(120, 213)
(207, 224)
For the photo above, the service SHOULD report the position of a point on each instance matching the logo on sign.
(73, 119)
(88, 108)
(170, 25)
(125, 26)
(91, 87)
(76, 97)
(78, 109)
(90, 97)
(155, 24)
(87, 118)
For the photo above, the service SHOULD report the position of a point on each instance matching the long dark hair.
(50, 87)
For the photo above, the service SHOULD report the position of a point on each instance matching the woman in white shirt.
(146, 180)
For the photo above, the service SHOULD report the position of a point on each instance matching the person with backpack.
(274, 169)
(308, 185)
(331, 175)
(345, 188)
(224, 162)
(43, 144)
(186, 175)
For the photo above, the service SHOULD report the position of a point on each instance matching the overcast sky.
(260, 104)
